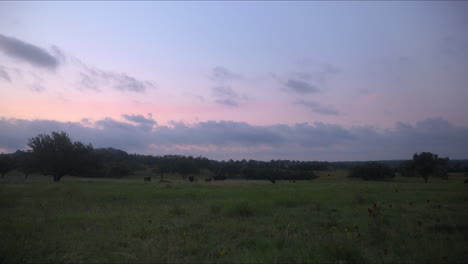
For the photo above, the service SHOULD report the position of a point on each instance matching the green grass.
(321, 221)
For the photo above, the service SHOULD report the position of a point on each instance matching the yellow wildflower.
(222, 253)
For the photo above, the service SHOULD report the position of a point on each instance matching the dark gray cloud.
(88, 82)
(90, 78)
(124, 82)
(139, 119)
(220, 73)
(224, 91)
(93, 79)
(301, 87)
(58, 54)
(311, 77)
(27, 52)
(4, 74)
(225, 95)
(316, 107)
(228, 102)
(222, 134)
(228, 139)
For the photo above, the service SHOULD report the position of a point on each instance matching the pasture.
(328, 220)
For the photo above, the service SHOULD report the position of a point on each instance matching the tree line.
(424, 164)
(57, 155)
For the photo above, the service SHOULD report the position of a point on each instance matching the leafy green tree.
(6, 164)
(58, 156)
(428, 164)
(372, 171)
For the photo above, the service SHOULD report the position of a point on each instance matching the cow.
(208, 180)
(466, 181)
(191, 179)
(273, 181)
(147, 179)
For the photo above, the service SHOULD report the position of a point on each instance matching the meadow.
(328, 220)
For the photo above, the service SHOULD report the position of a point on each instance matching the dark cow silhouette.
(273, 181)
(191, 179)
(147, 179)
(208, 180)
(466, 181)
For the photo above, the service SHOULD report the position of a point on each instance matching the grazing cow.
(191, 179)
(273, 181)
(466, 181)
(208, 180)
(147, 179)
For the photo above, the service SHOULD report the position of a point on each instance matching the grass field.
(328, 220)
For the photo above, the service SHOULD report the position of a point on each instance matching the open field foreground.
(321, 221)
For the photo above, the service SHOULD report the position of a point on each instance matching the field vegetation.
(332, 219)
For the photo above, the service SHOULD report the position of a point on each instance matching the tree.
(163, 166)
(186, 166)
(428, 164)
(25, 162)
(372, 171)
(58, 156)
(6, 164)
(406, 168)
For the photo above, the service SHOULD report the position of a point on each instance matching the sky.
(239, 80)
